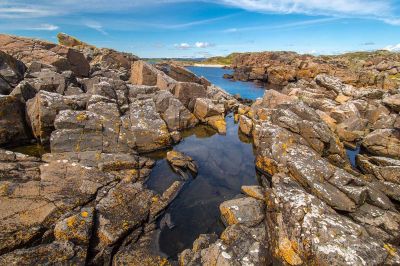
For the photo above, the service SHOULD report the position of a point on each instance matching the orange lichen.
(288, 253)
(84, 214)
(390, 249)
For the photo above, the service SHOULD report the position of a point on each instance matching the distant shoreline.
(210, 65)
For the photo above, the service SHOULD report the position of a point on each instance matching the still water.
(248, 90)
(225, 163)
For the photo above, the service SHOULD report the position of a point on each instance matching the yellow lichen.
(287, 252)
(84, 214)
(390, 249)
(71, 221)
(81, 117)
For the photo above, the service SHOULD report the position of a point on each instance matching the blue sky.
(202, 28)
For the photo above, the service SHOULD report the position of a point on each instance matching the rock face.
(370, 69)
(103, 57)
(11, 72)
(29, 50)
(385, 142)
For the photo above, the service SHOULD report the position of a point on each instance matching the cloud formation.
(203, 44)
(393, 48)
(182, 46)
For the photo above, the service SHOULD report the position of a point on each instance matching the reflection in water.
(225, 164)
(247, 90)
(35, 150)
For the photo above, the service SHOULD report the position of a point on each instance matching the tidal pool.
(225, 163)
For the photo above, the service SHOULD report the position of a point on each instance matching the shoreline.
(210, 65)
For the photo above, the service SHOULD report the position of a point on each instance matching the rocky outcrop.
(99, 57)
(243, 242)
(30, 50)
(365, 69)
(385, 142)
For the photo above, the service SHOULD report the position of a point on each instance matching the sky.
(204, 28)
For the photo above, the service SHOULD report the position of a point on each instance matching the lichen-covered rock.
(43, 109)
(393, 102)
(181, 162)
(188, 92)
(143, 127)
(143, 73)
(383, 142)
(204, 108)
(247, 211)
(76, 228)
(245, 125)
(304, 230)
(55, 253)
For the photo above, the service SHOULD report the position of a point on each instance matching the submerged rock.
(181, 162)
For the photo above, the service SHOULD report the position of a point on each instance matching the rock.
(55, 253)
(384, 142)
(204, 108)
(11, 72)
(393, 102)
(218, 123)
(301, 228)
(256, 192)
(247, 211)
(76, 228)
(181, 162)
(17, 166)
(143, 127)
(143, 73)
(103, 57)
(173, 112)
(273, 98)
(245, 125)
(43, 109)
(13, 129)
(182, 74)
(48, 80)
(29, 50)
(382, 168)
(188, 92)
(123, 209)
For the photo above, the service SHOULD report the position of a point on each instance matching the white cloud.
(202, 44)
(182, 46)
(283, 26)
(96, 26)
(45, 27)
(393, 48)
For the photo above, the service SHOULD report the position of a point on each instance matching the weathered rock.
(393, 102)
(182, 74)
(76, 228)
(301, 228)
(204, 108)
(143, 73)
(43, 109)
(29, 50)
(273, 98)
(13, 129)
(256, 192)
(247, 211)
(56, 253)
(188, 92)
(143, 128)
(245, 125)
(48, 80)
(384, 142)
(218, 123)
(11, 72)
(181, 162)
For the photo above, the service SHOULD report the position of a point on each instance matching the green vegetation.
(221, 60)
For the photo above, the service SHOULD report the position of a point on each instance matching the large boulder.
(188, 92)
(393, 102)
(143, 128)
(301, 226)
(384, 142)
(43, 109)
(143, 73)
(29, 50)
(11, 72)
(13, 129)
